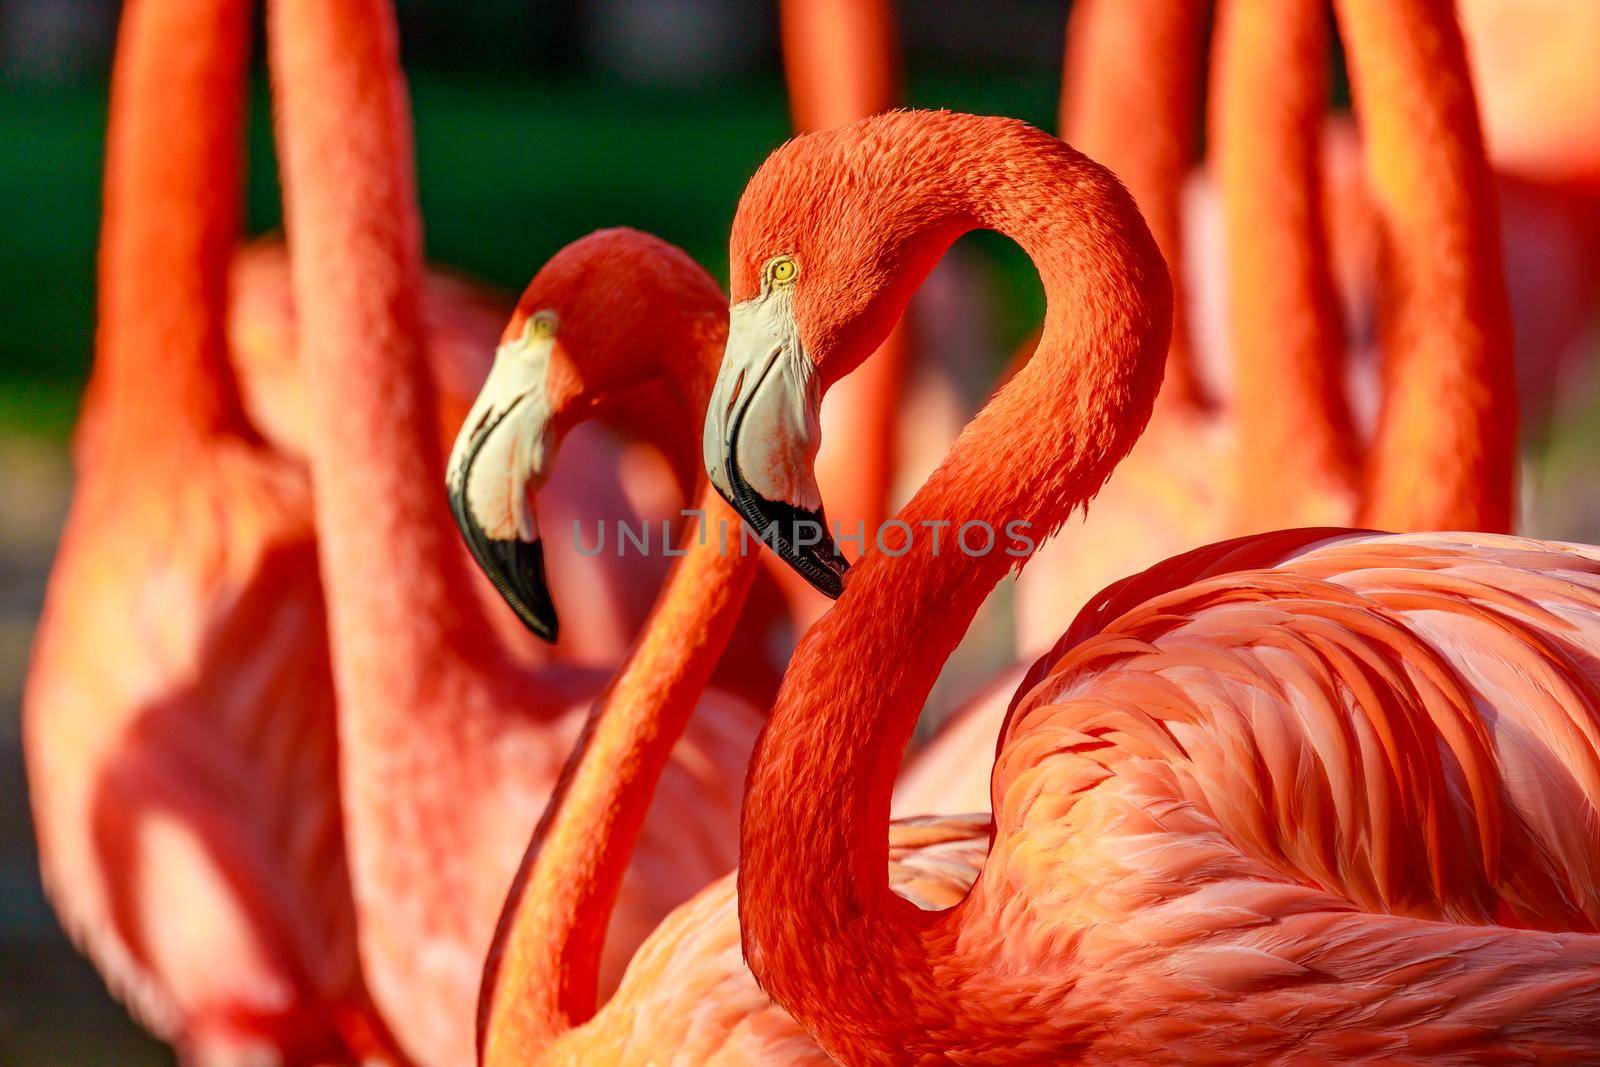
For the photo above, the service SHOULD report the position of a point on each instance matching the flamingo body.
(1303, 795)
(1325, 801)
(179, 735)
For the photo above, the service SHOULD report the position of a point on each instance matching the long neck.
(541, 976)
(1445, 452)
(840, 60)
(1295, 453)
(400, 606)
(1130, 100)
(856, 965)
(171, 217)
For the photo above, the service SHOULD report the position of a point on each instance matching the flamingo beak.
(501, 457)
(762, 434)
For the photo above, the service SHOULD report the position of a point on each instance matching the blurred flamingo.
(448, 747)
(1297, 795)
(178, 719)
(1281, 451)
(179, 710)
(1539, 92)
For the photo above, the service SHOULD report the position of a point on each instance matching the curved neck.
(171, 218)
(823, 932)
(540, 979)
(1295, 453)
(1444, 456)
(1130, 100)
(840, 60)
(400, 606)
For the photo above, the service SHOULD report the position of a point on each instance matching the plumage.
(688, 998)
(1314, 794)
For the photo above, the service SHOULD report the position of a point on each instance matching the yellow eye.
(544, 324)
(783, 270)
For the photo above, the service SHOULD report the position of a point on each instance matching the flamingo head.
(602, 326)
(832, 236)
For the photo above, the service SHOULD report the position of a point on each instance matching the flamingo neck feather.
(542, 971)
(400, 605)
(171, 218)
(1130, 100)
(1445, 453)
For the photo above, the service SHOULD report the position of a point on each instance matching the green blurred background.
(536, 122)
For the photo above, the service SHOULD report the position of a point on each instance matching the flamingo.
(1444, 451)
(448, 748)
(1540, 102)
(178, 718)
(596, 370)
(569, 353)
(1301, 795)
(462, 321)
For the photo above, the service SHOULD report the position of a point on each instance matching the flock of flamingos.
(308, 793)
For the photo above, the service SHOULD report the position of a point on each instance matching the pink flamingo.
(178, 722)
(1303, 794)
(178, 718)
(449, 748)
(462, 322)
(570, 352)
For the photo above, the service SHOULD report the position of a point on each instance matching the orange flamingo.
(1298, 795)
(567, 353)
(1443, 455)
(463, 321)
(179, 711)
(178, 720)
(448, 749)
(594, 369)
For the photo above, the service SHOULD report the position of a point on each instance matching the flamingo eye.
(782, 270)
(544, 324)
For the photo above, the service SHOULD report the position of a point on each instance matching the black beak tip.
(516, 568)
(801, 537)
